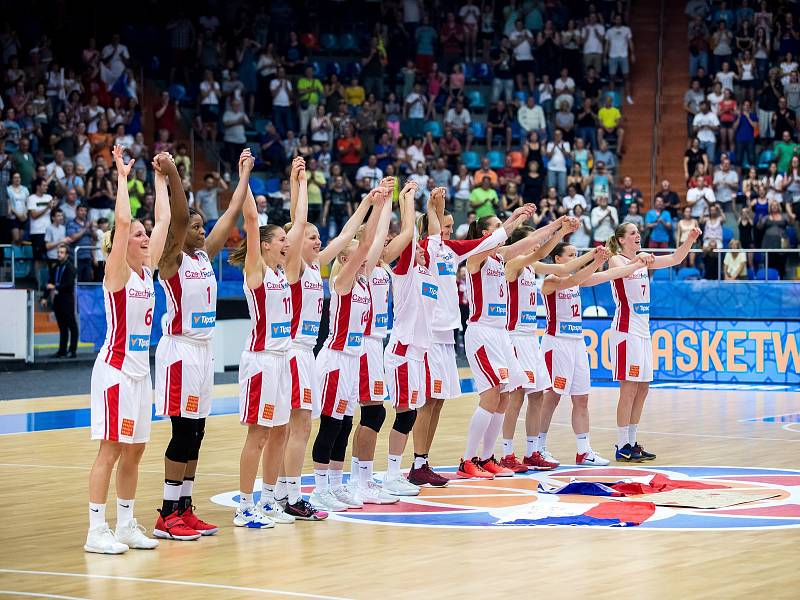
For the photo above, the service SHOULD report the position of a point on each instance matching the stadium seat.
(469, 71)
(478, 130)
(727, 236)
(471, 160)
(273, 185)
(516, 131)
(334, 68)
(497, 159)
(317, 68)
(771, 274)
(329, 42)
(483, 71)
(309, 41)
(434, 127)
(688, 273)
(766, 157)
(258, 186)
(751, 274)
(348, 42)
(475, 100)
(521, 96)
(517, 160)
(661, 274)
(353, 69)
(616, 98)
(791, 234)
(177, 92)
(261, 125)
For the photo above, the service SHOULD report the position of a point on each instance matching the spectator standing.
(207, 199)
(705, 126)
(281, 90)
(658, 223)
(722, 46)
(484, 200)
(451, 38)
(531, 118)
(523, 42)
(61, 292)
(55, 235)
(635, 218)
(784, 150)
(40, 203)
(167, 114)
(771, 91)
(498, 122)
(532, 183)
(349, 149)
(414, 111)
(317, 184)
(458, 120)
(586, 124)
(773, 228)
(81, 239)
(604, 220)
(425, 36)
(672, 201)
(691, 104)
(210, 96)
(620, 54)
(502, 71)
(337, 209)
(745, 128)
(581, 237)
(726, 184)
(699, 198)
(372, 69)
(593, 35)
(784, 120)
(557, 153)
(17, 199)
(309, 92)
(234, 120)
(626, 196)
(23, 162)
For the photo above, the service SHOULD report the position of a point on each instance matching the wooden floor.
(43, 520)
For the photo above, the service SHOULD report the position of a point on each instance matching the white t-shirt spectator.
(699, 200)
(564, 84)
(415, 156)
(54, 233)
(604, 221)
(570, 202)
(422, 183)
(235, 134)
(580, 238)
(618, 38)
(522, 51)
(118, 55)
(374, 173)
(531, 119)
(213, 92)
(557, 162)
(211, 23)
(469, 14)
(457, 120)
(714, 100)
(39, 224)
(411, 11)
(593, 38)
(282, 97)
(416, 105)
(706, 119)
(54, 167)
(722, 181)
(726, 79)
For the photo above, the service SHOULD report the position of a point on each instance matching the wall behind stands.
(702, 330)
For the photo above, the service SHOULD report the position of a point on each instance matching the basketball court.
(465, 540)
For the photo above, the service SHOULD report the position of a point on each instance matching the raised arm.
(222, 228)
(407, 220)
(253, 263)
(158, 238)
(515, 264)
(294, 261)
(178, 222)
(436, 213)
(347, 275)
(555, 282)
(567, 268)
(337, 244)
(376, 245)
(615, 272)
(536, 238)
(294, 186)
(479, 254)
(117, 270)
(677, 257)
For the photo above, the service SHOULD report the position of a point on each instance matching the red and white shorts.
(531, 360)
(120, 405)
(568, 364)
(491, 358)
(406, 380)
(631, 357)
(441, 372)
(372, 369)
(342, 386)
(184, 378)
(264, 387)
(305, 381)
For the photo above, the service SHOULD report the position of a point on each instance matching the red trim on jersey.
(622, 359)
(112, 413)
(119, 326)
(364, 381)
(329, 389)
(461, 247)
(400, 349)
(513, 304)
(174, 389)
(550, 305)
(296, 290)
(258, 337)
(406, 260)
(548, 362)
(295, 376)
(427, 376)
(401, 385)
(175, 291)
(341, 320)
(485, 366)
(624, 308)
(253, 398)
(476, 296)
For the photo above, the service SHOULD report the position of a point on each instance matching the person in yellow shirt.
(610, 119)
(354, 95)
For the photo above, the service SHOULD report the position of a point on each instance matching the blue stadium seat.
(469, 71)
(177, 92)
(661, 275)
(273, 185)
(497, 159)
(353, 69)
(348, 42)
(483, 71)
(317, 68)
(475, 100)
(766, 157)
(261, 125)
(334, 68)
(688, 273)
(791, 233)
(727, 236)
(329, 41)
(471, 160)
(258, 186)
(478, 130)
(516, 131)
(751, 274)
(771, 274)
(521, 96)
(616, 98)
(434, 127)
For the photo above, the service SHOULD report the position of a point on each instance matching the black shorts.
(209, 113)
(523, 67)
(38, 246)
(726, 124)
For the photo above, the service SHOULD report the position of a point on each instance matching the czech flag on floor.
(601, 514)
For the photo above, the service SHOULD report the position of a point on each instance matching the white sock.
(632, 429)
(335, 478)
(491, 434)
(365, 470)
(622, 436)
(292, 489)
(480, 420)
(97, 515)
(531, 444)
(508, 447)
(186, 487)
(419, 462)
(245, 500)
(124, 511)
(394, 465)
(321, 479)
(281, 491)
(583, 443)
(354, 470)
(542, 440)
(267, 494)
(172, 492)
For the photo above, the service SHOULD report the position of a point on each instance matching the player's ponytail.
(338, 263)
(107, 241)
(478, 226)
(265, 234)
(614, 246)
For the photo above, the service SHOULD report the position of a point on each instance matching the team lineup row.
(283, 386)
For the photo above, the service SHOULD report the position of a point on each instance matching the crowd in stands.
(742, 164)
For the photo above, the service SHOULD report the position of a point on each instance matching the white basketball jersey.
(415, 292)
(349, 315)
(307, 298)
(487, 291)
(129, 319)
(192, 298)
(378, 325)
(522, 302)
(632, 297)
(270, 307)
(564, 313)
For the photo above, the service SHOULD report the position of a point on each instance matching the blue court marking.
(787, 418)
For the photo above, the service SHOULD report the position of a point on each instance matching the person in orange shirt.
(102, 141)
(349, 149)
(486, 171)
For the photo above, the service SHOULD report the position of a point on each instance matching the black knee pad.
(326, 438)
(404, 421)
(373, 416)
(200, 432)
(182, 442)
(340, 445)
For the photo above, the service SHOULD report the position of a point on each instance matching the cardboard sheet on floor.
(705, 498)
